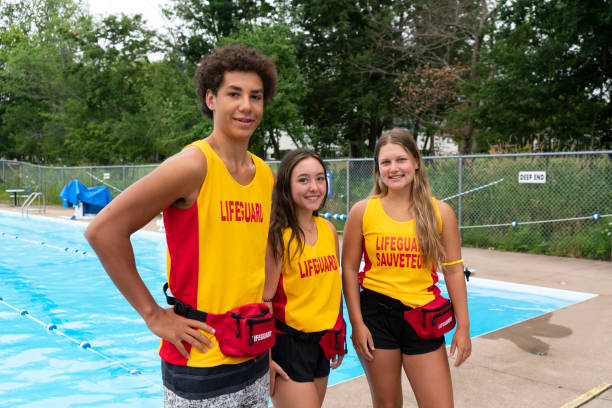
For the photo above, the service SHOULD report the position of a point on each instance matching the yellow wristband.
(458, 261)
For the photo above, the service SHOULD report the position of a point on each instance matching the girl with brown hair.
(303, 283)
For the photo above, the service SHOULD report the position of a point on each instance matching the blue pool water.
(48, 269)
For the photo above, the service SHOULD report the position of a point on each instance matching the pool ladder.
(25, 207)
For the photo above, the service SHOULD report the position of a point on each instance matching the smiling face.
(238, 105)
(397, 166)
(308, 184)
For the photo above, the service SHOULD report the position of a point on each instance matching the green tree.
(347, 103)
(551, 88)
(105, 121)
(204, 23)
(36, 52)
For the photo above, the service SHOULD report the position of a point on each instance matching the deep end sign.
(532, 177)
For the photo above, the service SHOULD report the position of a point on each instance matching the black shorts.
(196, 383)
(303, 362)
(384, 318)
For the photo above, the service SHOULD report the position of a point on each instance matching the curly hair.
(233, 57)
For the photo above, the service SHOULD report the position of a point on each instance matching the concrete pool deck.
(546, 361)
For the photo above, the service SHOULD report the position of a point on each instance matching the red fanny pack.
(433, 319)
(245, 331)
(333, 342)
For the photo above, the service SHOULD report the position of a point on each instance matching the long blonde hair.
(426, 219)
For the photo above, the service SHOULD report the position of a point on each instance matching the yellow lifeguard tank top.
(216, 249)
(308, 295)
(394, 264)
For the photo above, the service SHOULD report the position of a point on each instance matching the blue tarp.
(93, 199)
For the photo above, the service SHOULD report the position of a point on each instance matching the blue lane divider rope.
(84, 345)
(45, 244)
(73, 251)
(334, 216)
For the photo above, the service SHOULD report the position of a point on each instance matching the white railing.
(25, 207)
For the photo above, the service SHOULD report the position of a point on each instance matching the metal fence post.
(348, 189)
(40, 179)
(460, 188)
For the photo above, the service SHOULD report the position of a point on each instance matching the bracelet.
(458, 261)
(268, 300)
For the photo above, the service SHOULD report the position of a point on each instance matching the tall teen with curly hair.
(404, 235)
(302, 282)
(216, 201)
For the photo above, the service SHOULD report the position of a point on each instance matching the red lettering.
(402, 262)
(222, 216)
(420, 261)
(378, 248)
(413, 260)
(393, 243)
(386, 243)
(400, 243)
(415, 245)
(378, 259)
(231, 210)
(302, 274)
(239, 207)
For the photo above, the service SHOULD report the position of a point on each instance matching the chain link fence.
(552, 210)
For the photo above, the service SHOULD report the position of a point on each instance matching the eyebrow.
(307, 174)
(237, 88)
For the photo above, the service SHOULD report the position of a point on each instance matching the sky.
(150, 10)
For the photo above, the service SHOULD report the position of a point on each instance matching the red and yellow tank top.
(308, 295)
(394, 264)
(216, 249)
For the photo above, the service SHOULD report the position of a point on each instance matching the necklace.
(312, 227)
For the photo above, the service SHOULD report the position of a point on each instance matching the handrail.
(28, 201)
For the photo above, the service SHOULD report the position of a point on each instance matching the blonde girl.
(404, 235)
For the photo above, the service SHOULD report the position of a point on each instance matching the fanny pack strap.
(183, 309)
(312, 338)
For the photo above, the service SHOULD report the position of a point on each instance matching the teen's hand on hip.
(461, 345)
(177, 329)
(362, 341)
(275, 370)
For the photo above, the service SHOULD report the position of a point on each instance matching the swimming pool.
(48, 269)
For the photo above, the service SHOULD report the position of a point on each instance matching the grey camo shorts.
(254, 395)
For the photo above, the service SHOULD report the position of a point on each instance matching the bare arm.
(352, 250)
(273, 272)
(175, 182)
(338, 360)
(455, 283)
(337, 241)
